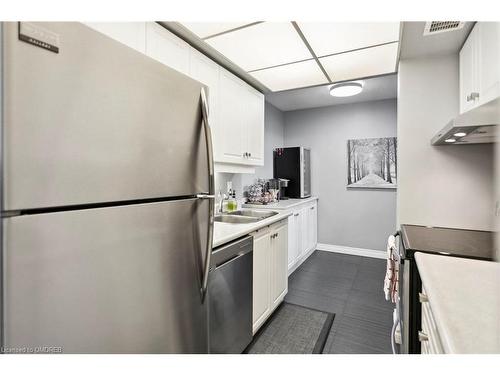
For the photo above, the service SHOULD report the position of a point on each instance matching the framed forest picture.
(372, 163)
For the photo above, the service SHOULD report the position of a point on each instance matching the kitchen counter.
(281, 205)
(464, 296)
(226, 232)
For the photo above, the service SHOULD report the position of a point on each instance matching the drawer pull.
(422, 298)
(422, 336)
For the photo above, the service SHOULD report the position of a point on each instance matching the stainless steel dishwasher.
(230, 297)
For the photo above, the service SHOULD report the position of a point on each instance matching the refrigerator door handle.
(211, 192)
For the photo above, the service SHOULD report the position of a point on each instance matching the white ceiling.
(263, 45)
(289, 55)
(377, 88)
(362, 63)
(327, 38)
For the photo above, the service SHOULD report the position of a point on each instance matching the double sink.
(244, 216)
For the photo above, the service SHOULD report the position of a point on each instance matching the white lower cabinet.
(270, 278)
(302, 235)
(279, 254)
(430, 340)
(294, 238)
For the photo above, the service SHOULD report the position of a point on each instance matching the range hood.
(479, 125)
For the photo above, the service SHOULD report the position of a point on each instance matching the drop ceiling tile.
(204, 29)
(333, 37)
(363, 63)
(285, 77)
(262, 46)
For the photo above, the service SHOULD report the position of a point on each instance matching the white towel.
(391, 274)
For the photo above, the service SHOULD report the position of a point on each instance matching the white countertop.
(226, 232)
(281, 205)
(464, 297)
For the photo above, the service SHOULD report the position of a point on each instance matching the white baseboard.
(352, 251)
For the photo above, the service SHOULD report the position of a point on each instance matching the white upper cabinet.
(489, 60)
(254, 117)
(165, 47)
(230, 143)
(206, 71)
(132, 34)
(241, 122)
(236, 110)
(468, 79)
(480, 66)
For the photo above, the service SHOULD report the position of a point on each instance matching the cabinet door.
(311, 227)
(314, 224)
(489, 60)
(254, 115)
(293, 239)
(261, 278)
(232, 130)
(165, 47)
(303, 228)
(279, 269)
(468, 61)
(132, 34)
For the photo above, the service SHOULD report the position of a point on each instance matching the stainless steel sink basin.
(233, 219)
(253, 213)
(244, 216)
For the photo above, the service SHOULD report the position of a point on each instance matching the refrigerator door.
(124, 279)
(95, 122)
(305, 173)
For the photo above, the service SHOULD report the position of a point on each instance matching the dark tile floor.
(351, 287)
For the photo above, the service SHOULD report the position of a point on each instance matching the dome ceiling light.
(344, 89)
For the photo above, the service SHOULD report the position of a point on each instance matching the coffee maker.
(283, 184)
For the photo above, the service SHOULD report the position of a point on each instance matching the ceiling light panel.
(204, 29)
(363, 63)
(261, 46)
(285, 77)
(327, 38)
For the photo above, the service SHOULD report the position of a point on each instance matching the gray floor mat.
(293, 329)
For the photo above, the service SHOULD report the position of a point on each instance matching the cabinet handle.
(312, 208)
(422, 336)
(472, 96)
(296, 215)
(249, 154)
(422, 298)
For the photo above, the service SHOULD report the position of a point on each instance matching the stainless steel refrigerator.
(107, 196)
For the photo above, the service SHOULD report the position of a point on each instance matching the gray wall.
(354, 218)
(449, 186)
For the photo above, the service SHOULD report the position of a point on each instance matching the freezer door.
(95, 122)
(110, 280)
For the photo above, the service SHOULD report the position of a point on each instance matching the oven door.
(403, 298)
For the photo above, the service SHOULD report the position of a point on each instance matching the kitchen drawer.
(431, 345)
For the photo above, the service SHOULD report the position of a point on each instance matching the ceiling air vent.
(436, 27)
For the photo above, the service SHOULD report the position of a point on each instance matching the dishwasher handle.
(230, 260)
(229, 253)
